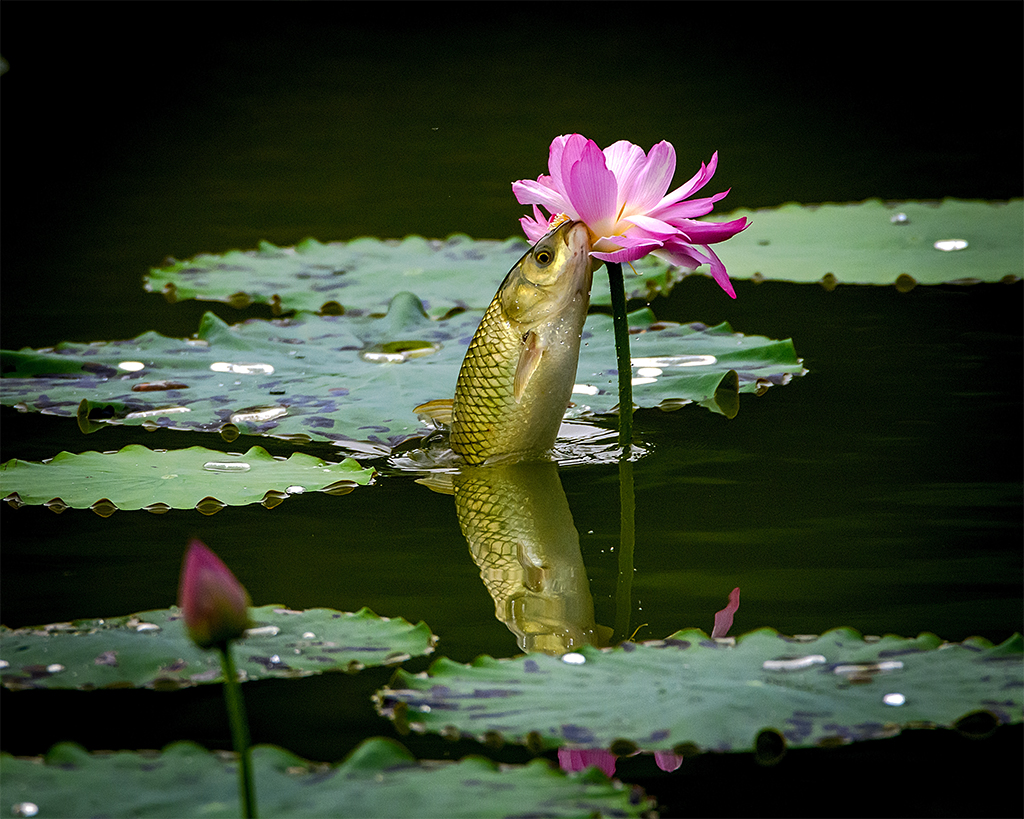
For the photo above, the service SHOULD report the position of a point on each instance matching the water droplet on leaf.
(242, 368)
(156, 413)
(263, 631)
(227, 466)
(258, 415)
(951, 244)
(395, 352)
(793, 663)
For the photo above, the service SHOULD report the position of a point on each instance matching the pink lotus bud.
(215, 605)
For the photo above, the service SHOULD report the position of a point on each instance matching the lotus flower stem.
(239, 730)
(623, 362)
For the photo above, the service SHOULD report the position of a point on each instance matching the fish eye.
(543, 257)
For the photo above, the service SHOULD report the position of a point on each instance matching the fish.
(517, 377)
(516, 520)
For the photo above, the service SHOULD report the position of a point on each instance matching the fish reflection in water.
(520, 531)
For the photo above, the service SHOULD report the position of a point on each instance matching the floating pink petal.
(667, 761)
(723, 619)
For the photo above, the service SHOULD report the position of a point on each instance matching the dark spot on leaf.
(270, 663)
(530, 666)
(678, 643)
(898, 652)
(100, 369)
(577, 733)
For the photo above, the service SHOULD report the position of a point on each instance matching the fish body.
(517, 376)
(517, 522)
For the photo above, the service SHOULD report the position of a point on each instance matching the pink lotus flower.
(577, 759)
(621, 195)
(214, 604)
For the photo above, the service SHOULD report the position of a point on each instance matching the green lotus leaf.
(380, 778)
(674, 364)
(151, 649)
(869, 242)
(360, 276)
(354, 380)
(141, 478)
(689, 691)
(872, 242)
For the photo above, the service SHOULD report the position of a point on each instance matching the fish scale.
(517, 377)
(517, 522)
(486, 410)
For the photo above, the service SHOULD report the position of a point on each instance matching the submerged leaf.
(151, 649)
(693, 691)
(354, 381)
(380, 778)
(141, 478)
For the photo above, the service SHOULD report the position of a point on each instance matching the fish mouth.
(579, 243)
(572, 229)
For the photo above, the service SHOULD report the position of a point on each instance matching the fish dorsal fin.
(439, 411)
(529, 360)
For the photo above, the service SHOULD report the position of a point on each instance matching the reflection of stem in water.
(624, 584)
(520, 531)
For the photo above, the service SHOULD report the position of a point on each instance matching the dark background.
(133, 132)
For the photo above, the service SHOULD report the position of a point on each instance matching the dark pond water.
(882, 491)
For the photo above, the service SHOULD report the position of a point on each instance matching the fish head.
(553, 275)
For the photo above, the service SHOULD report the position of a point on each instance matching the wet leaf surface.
(379, 778)
(870, 242)
(151, 650)
(139, 478)
(336, 378)
(690, 692)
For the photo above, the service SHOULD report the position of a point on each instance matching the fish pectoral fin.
(529, 360)
(439, 482)
(439, 410)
